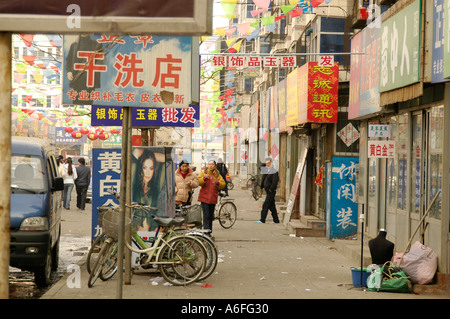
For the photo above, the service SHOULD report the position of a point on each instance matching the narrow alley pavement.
(257, 261)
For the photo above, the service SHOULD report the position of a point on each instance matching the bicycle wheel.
(227, 215)
(256, 192)
(230, 186)
(110, 265)
(211, 252)
(98, 265)
(181, 260)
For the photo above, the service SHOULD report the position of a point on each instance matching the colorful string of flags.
(234, 37)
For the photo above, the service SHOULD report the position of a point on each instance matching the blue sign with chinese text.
(342, 197)
(144, 116)
(106, 169)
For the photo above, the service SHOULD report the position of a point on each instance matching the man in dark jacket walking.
(269, 182)
(82, 182)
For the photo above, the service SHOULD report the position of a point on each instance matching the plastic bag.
(374, 280)
(420, 263)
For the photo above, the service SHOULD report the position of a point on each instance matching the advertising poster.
(109, 70)
(152, 181)
(342, 197)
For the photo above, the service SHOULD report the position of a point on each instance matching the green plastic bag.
(394, 280)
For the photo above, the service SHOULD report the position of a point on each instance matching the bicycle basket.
(111, 224)
(192, 214)
(101, 212)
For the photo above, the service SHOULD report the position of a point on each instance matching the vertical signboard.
(282, 105)
(342, 206)
(437, 72)
(292, 99)
(400, 48)
(446, 29)
(318, 93)
(109, 70)
(355, 74)
(106, 170)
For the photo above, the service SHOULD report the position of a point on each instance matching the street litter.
(207, 286)
(262, 278)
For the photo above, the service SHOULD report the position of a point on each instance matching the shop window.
(436, 120)
(402, 133)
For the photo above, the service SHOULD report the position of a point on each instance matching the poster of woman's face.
(148, 184)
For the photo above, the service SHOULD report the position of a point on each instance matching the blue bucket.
(356, 276)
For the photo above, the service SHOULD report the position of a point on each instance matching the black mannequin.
(381, 249)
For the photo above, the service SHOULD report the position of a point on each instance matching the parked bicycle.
(180, 258)
(254, 184)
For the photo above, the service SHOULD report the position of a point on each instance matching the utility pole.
(5, 163)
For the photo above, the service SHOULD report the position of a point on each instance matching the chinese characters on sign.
(400, 48)
(378, 130)
(144, 116)
(318, 97)
(342, 204)
(152, 71)
(62, 137)
(106, 171)
(254, 61)
(381, 149)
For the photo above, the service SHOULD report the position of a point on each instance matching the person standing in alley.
(223, 172)
(185, 182)
(70, 176)
(210, 182)
(269, 182)
(82, 182)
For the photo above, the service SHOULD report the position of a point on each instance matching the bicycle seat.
(168, 221)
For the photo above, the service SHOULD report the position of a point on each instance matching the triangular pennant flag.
(263, 4)
(268, 20)
(316, 3)
(228, 7)
(293, 2)
(236, 47)
(254, 13)
(229, 42)
(27, 39)
(220, 31)
(296, 12)
(270, 27)
(29, 59)
(254, 34)
(280, 17)
(230, 31)
(286, 9)
(243, 28)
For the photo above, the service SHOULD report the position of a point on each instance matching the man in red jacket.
(210, 182)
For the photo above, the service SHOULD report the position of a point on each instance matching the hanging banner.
(144, 116)
(318, 93)
(342, 205)
(254, 61)
(109, 70)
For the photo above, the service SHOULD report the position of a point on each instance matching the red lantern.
(92, 136)
(77, 135)
(84, 131)
(114, 131)
(103, 136)
(68, 129)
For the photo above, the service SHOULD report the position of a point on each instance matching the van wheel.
(42, 274)
(55, 256)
